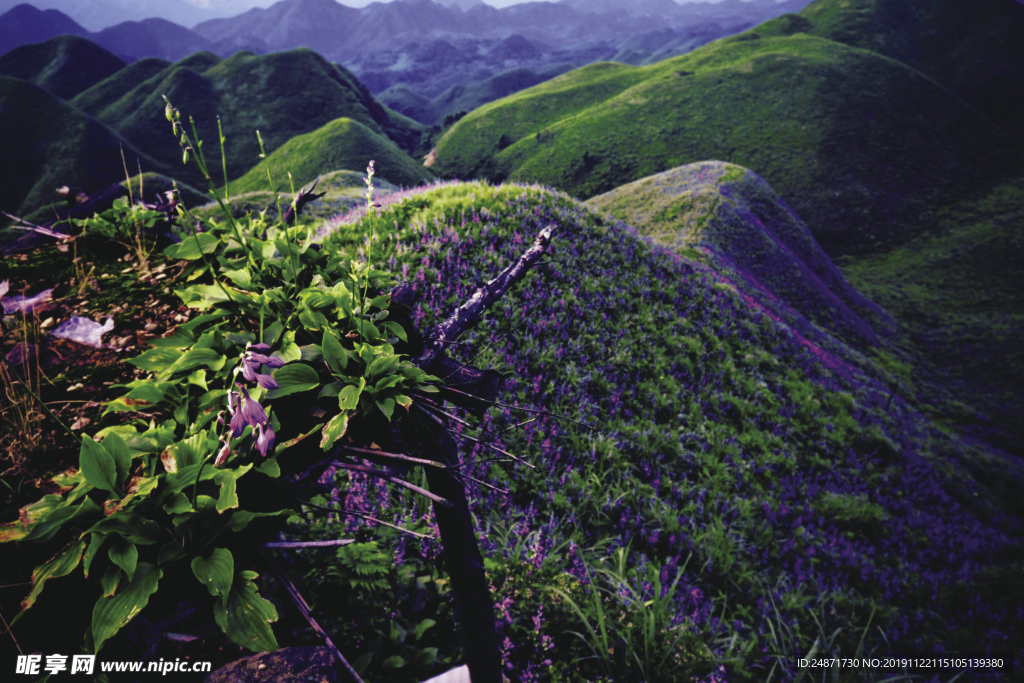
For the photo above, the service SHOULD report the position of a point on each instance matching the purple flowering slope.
(789, 493)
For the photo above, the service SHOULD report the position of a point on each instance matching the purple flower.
(265, 440)
(267, 382)
(249, 368)
(258, 347)
(269, 361)
(222, 454)
(252, 412)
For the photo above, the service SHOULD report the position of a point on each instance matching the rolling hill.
(844, 135)
(55, 144)
(24, 24)
(972, 48)
(281, 95)
(341, 144)
(730, 219)
(64, 66)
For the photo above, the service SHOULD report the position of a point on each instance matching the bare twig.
(350, 513)
(12, 633)
(470, 312)
(307, 613)
(490, 486)
(370, 454)
(292, 545)
(303, 197)
(525, 410)
(394, 480)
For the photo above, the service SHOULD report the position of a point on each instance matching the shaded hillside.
(24, 24)
(463, 98)
(729, 218)
(52, 144)
(845, 136)
(97, 98)
(281, 95)
(341, 144)
(63, 66)
(976, 49)
(959, 292)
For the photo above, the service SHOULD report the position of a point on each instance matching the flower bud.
(169, 113)
(184, 157)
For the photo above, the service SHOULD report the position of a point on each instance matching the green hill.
(461, 98)
(728, 218)
(972, 48)
(64, 66)
(101, 95)
(341, 144)
(282, 95)
(54, 145)
(858, 144)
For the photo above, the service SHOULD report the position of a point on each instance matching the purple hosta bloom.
(252, 412)
(223, 453)
(265, 440)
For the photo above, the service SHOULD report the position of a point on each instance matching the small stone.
(75, 387)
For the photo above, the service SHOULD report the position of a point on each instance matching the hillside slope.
(782, 487)
(281, 95)
(972, 48)
(54, 145)
(63, 66)
(847, 137)
(341, 144)
(25, 24)
(729, 218)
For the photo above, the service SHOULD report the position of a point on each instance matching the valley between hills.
(754, 399)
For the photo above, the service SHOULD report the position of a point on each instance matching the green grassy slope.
(281, 94)
(101, 95)
(729, 219)
(850, 139)
(973, 48)
(341, 144)
(64, 66)
(958, 290)
(55, 145)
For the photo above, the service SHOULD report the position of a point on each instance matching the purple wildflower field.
(760, 490)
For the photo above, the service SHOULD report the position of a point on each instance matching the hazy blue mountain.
(25, 24)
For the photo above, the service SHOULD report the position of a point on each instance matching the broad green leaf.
(169, 552)
(216, 571)
(242, 278)
(314, 321)
(149, 390)
(47, 528)
(403, 401)
(125, 555)
(156, 360)
(118, 450)
(187, 477)
(422, 627)
(61, 565)
(281, 447)
(381, 366)
(388, 382)
(368, 330)
(331, 390)
(211, 397)
(270, 467)
(272, 332)
(333, 352)
(393, 662)
(111, 614)
(289, 352)
(126, 432)
(396, 330)
(181, 339)
(226, 480)
(334, 430)
(177, 504)
(96, 543)
(425, 657)
(191, 325)
(193, 247)
(130, 526)
(28, 516)
(98, 466)
(190, 451)
(111, 577)
(199, 379)
(387, 406)
(311, 353)
(348, 398)
(245, 617)
(241, 518)
(195, 357)
(292, 379)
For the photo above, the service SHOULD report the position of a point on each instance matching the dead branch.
(307, 613)
(371, 454)
(394, 480)
(350, 513)
(292, 545)
(473, 310)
